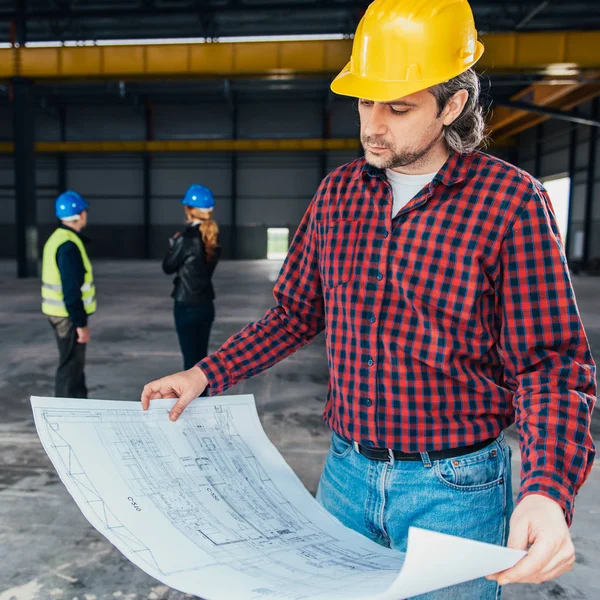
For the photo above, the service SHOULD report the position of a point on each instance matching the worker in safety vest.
(68, 293)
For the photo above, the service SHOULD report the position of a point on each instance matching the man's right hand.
(83, 335)
(185, 385)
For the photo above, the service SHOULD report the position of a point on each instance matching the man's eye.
(398, 112)
(366, 103)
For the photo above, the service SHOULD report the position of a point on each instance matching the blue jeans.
(468, 496)
(193, 324)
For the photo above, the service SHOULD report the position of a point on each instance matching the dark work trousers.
(193, 324)
(70, 378)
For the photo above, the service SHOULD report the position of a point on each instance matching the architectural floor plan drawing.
(209, 507)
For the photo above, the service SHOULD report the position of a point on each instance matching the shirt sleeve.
(548, 362)
(72, 276)
(296, 319)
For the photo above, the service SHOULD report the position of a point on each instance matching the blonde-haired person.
(193, 255)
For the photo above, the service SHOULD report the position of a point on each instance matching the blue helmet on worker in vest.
(70, 205)
(199, 196)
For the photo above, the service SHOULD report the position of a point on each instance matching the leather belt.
(388, 455)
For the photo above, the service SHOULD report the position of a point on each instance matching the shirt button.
(385, 234)
(379, 276)
(373, 319)
(368, 402)
(370, 362)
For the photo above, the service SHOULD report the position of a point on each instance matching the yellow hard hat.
(404, 46)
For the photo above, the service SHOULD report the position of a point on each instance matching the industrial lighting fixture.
(196, 40)
(43, 44)
(561, 69)
(149, 42)
(284, 38)
(74, 43)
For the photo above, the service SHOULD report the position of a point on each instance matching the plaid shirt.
(443, 325)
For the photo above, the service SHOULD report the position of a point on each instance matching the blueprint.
(208, 506)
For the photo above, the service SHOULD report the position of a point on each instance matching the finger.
(518, 540)
(558, 571)
(547, 575)
(529, 567)
(181, 404)
(561, 563)
(519, 535)
(151, 391)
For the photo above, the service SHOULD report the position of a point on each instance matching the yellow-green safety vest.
(53, 300)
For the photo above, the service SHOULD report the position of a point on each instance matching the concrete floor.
(49, 551)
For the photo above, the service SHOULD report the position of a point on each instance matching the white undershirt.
(406, 187)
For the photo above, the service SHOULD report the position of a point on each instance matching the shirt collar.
(82, 237)
(454, 170)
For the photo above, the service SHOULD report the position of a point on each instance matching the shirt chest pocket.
(337, 249)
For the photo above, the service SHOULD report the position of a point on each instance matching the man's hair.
(467, 132)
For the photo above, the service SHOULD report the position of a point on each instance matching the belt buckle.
(356, 447)
(391, 456)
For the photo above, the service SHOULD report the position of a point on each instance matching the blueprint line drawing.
(207, 505)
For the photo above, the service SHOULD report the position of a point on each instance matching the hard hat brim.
(185, 203)
(356, 86)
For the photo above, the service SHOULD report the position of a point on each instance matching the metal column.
(147, 181)
(62, 157)
(24, 157)
(233, 245)
(25, 191)
(589, 195)
(21, 22)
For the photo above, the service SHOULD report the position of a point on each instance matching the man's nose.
(375, 124)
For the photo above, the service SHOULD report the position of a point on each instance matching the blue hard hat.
(70, 204)
(200, 197)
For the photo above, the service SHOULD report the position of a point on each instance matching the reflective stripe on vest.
(52, 302)
(86, 287)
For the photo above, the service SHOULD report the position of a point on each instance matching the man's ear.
(454, 107)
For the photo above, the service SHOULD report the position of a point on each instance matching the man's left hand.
(538, 524)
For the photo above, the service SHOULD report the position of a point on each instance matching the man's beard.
(395, 159)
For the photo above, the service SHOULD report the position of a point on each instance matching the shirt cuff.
(548, 486)
(79, 320)
(219, 378)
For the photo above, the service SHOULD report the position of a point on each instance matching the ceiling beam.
(525, 114)
(114, 12)
(76, 12)
(237, 145)
(532, 14)
(540, 94)
(550, 112)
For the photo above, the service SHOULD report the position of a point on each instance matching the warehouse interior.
(129, 102)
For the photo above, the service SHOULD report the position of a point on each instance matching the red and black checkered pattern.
(444, 325)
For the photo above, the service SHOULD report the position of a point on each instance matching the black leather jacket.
(187, 258)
